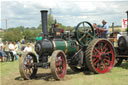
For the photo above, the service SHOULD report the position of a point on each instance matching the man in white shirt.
(11, 49)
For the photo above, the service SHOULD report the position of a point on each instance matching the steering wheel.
(84, 33)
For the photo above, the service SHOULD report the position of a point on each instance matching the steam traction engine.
(122, 48)
(80, 49)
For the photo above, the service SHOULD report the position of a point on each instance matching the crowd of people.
(11, 51)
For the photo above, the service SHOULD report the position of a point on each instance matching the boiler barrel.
(46, 47)
(68, 47)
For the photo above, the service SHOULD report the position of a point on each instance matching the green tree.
(30, 35)
(14, 35)
(35, 33)
(27, 34)
(21, 28)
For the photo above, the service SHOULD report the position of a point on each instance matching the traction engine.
(122, 49)
(80, 49)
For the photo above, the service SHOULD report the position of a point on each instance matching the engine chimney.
(44, 23)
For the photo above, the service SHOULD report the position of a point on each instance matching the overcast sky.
(67, 12)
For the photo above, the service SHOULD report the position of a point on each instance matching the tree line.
(28, 33)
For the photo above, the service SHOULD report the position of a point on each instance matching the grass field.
(9, 74)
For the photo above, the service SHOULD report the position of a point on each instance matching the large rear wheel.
(58, 64)
(100, 56)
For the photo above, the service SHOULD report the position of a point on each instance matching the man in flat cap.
(105, 27)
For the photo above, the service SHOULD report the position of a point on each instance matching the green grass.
(1, 34)
(117, 76)
(7, 68)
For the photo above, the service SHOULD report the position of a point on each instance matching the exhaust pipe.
(44, 21)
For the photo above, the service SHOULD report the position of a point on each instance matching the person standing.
(18, 43)
(28, 48)
(99, 31)
(1, 51)
(11, 49)
(15, 51)
(106, 28)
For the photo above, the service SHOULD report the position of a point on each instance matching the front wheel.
(58, 64)
(26, 65)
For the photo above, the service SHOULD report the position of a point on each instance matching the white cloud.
(68, 12)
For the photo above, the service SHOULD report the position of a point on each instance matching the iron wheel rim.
(98, 61)
(103, 65)
(58, 65)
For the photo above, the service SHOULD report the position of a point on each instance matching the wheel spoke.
(82, 37)
(107, 57)
(109, 62)
(99, 47)
(97, 50)
(94, 52)
(110, 52)
(104, 47)
(96, 62)
(105, 50)
(81, 32)
(103, 66)
(89, 41)
(94, 59)
(93, 55)
(90, 35)
(84, 25)
(98, 66)
(87, 30)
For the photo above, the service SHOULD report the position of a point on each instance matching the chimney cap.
(43, 10)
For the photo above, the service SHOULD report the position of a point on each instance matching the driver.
(99, 31)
